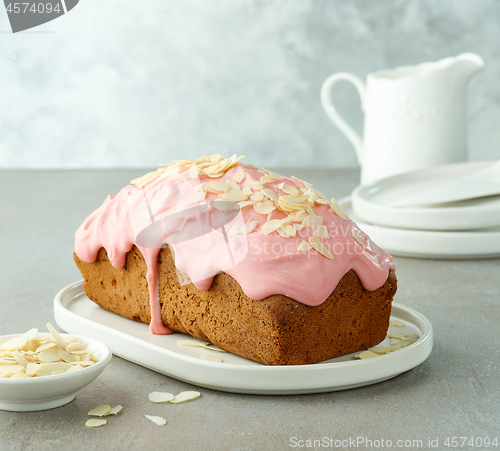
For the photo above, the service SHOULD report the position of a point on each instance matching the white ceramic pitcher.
(414, 115)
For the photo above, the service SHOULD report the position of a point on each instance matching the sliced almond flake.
(196, 197)
(233, 185)
(265, 207)
(220, 187)
(19, 376)
(100, 411)
(316, 243)
(280, 186)
(366, 355)
(192, 343)
(268, 192)
(322, 201)
(239, 176)
(54, 373)
(293, 199)
(211, 358)
(234, 196)
(234, 231)
(95, 422)
(14, 343)
(256, 184)
(20, 359)
(57, 337)
(313, 221)
(45, 346)
(31, 334)
(66, 356)
(185, 396)
(397, 323)
(291, 190)
(304, 246)
(268, 179)
(288, 229)
(381, 349)
(247, 190)
(245, 203)
(321, 232)
(49, 355)
(193, 172)
(115, 410)
(396, 335)
(225, 205)
(85, 362)
(249, 227)
(271, 226)
(46, 369)
(214, 348)
(298, 227)
(209, 189)
(12, 369)
(337, 209)
(74, 347)
(31, 368)
(159, 397)
(257, 196)
(409, 342)
(298, 216)
(216, 175)
(358, 237)
(74, 368)
(160, 421)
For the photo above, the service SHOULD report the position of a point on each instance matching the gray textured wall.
(134, 83)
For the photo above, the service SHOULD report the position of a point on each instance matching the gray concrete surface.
(454, 393)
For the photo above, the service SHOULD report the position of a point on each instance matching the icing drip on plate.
(272, 234)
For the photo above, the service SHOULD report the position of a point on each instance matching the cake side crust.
(275, 331)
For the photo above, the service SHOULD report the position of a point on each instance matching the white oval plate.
(427, 243)
(75, 313)
(372, 202)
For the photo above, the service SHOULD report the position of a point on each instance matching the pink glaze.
(262, 265)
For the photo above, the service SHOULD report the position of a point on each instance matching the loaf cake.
(261, 265)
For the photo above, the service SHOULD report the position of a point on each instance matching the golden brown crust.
(275, 331)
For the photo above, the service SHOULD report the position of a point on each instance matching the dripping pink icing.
(262, 265)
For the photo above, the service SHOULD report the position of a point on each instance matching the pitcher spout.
(467, 65)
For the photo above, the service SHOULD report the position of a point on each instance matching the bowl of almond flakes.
(40, 371)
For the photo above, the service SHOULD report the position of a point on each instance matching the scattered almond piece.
(115, 410)
(337, 209)
(192, 343)
(358, 237)
(159, 397)
(239, 176)
(95, 422)
(321, 232)
(156, 420)
(264, 207)
(397, 323)
(366, 355)
(100, 411)
(316, 243)
(304, 246)
(249, 227)
(185, 396)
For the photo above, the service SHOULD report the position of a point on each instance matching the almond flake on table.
(100, 411)
(160, 421)
(95, 422)
(160, 397)
(185, 396)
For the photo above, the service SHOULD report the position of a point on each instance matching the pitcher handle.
(332, 113)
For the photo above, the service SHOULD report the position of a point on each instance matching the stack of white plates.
(466, 229)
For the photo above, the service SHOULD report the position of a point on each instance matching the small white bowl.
(47, 392)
